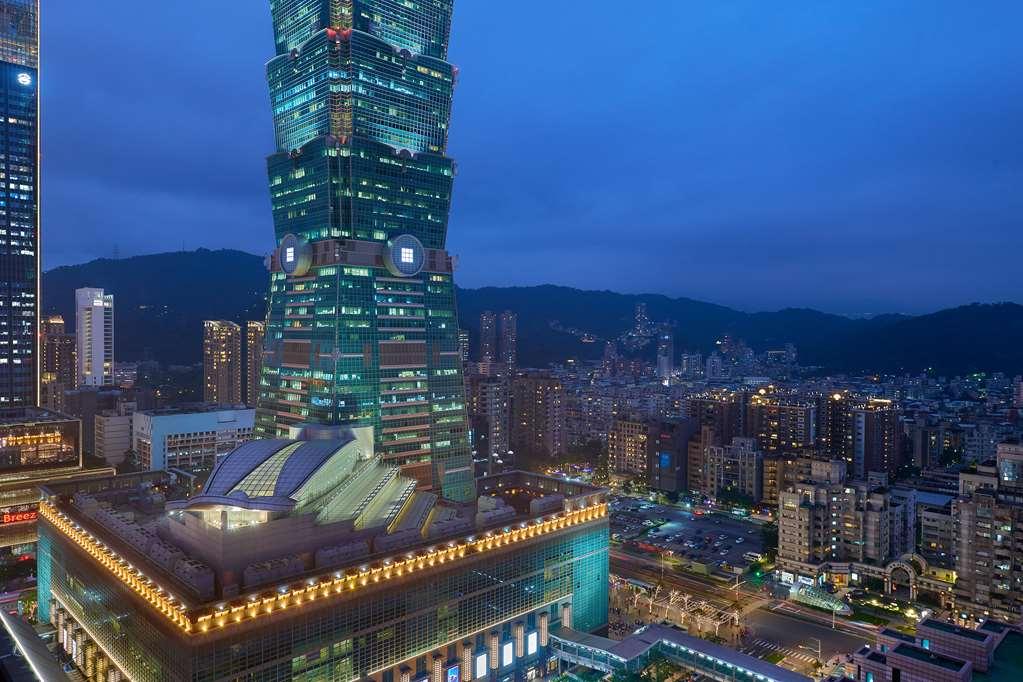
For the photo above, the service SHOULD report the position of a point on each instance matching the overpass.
(695, 655)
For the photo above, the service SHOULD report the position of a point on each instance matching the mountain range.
(161, 300)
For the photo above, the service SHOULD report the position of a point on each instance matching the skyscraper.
(254, 333)
(508, 342)
(488, 336)
(665, 353)
(94, 335)
(19, 209)
(222, 362)
(362, 326)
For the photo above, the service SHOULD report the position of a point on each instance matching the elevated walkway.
(693, 654)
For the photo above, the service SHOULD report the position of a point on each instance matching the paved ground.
(730, 537)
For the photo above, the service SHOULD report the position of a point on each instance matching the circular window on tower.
(405, 256)
(295, 255)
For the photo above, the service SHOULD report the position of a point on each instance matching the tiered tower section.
(362, 326)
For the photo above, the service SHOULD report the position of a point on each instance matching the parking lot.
(717, 541)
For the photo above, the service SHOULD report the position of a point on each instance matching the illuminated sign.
(481, 665)
(19, 517)
(532, 640)
(408, 255)
(665, 460)
(507, 654)
(454, 673)
(25, 78)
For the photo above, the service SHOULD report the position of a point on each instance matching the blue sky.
(849, 156)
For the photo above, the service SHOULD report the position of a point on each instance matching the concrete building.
(113, 432)
(94, 337)
(189, 437)
(254, 336)
(59, 368)
(821, 522)
(508, 340)
(665, 354)
(222, 362)
(538, 415)
(627, 445)
(781, 425)
(488, 403)
(876, 438)
(488, 337)
(734, 472)
(988, 527)
(668, 455)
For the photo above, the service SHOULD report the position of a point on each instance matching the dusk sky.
(848, 156)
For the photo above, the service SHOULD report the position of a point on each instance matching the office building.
(627, 445)
(508, 341)
(87, 402)
(488, 336)
(665, 354)
(112, 433)
(255, 332)
(94, 337)
(734, 472)
(362, 326)
(538, 416)
(222, 362)
(59, 367)
(315, 560)
(668, 455)
(20, 267)
(189, 437)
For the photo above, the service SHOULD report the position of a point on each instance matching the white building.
(94, 335)
(113, 433)
(190, 437)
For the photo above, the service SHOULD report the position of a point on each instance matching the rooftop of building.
(898, 634)
(952, 629)
(193, 408)
(15, 416)
(1008, 663)
(930, 657)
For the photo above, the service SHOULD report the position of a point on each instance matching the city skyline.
(846, 190)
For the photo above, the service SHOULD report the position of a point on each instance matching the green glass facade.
(362, 635)
(362, 326)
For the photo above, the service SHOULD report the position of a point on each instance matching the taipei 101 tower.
(362, 327)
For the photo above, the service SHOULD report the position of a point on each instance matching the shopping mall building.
(315, 560)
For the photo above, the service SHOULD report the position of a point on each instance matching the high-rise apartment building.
(988, 529)
(94, 337)
(876, 438)
(255, 333)
(222, 362)
(508, 341)
(362, 326)
(781, 425)
(488, 336)
(59, 366)
(19, 211)
(627, 445)
(489, 405)
(668, 454)
(464, 345)
(722, 411)
(538, 415)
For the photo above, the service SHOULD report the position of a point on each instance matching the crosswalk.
(762, 648)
